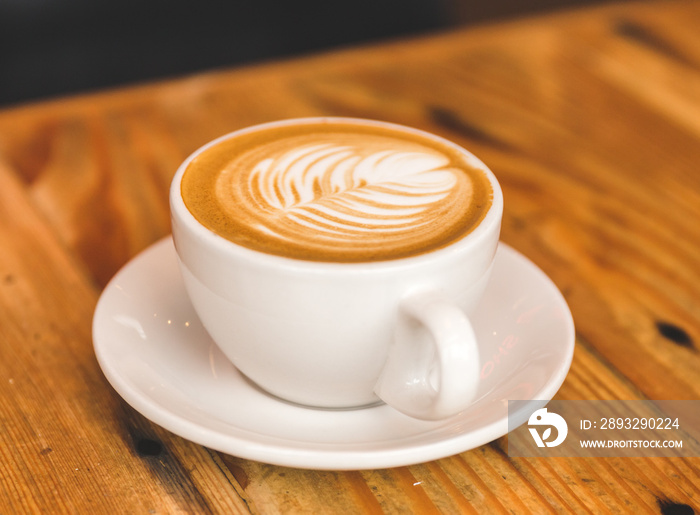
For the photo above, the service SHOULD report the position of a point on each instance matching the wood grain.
(591, 121)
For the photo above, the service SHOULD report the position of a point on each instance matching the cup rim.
(179, 210)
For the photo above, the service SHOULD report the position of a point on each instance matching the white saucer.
(157, 356)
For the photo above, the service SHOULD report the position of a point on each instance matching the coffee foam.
(336, 192)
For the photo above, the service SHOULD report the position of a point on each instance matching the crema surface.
(336, 192)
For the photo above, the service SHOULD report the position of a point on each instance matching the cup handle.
(432, 370)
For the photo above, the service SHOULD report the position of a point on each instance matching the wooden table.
(591, 121)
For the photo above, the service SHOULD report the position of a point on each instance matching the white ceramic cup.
(344, 335)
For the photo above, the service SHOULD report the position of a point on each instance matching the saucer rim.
(351, 456)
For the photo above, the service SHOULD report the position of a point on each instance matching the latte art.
(336, 194)
(342, 194)
(334, 188)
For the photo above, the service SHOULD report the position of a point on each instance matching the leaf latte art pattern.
(339, 193)
(343, 196)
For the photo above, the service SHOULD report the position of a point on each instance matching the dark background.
(56, 47)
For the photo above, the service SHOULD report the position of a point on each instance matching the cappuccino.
(337, 190)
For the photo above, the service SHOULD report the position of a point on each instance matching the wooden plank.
(67, 442)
